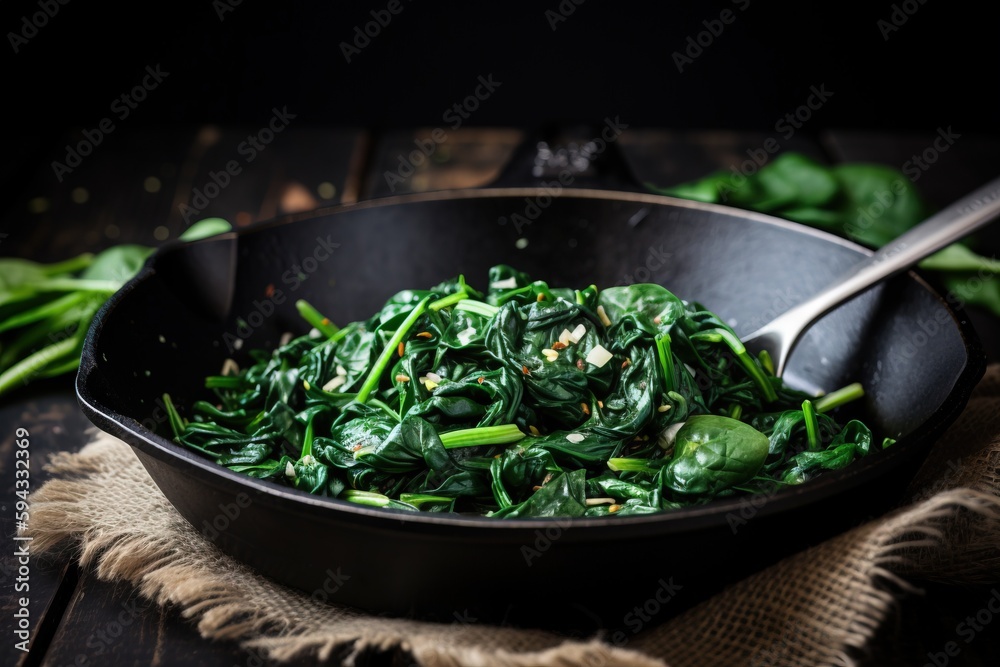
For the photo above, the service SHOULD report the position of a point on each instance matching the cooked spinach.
(523, 400)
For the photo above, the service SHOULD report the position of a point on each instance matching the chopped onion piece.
(433, 377)
(599, 356)
(575, 437)
(289, 470)
(334, 383)
(579, 332)
(669, 435)
(507, 283)
(564, 337)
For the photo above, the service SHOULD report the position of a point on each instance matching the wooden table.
(132, 188)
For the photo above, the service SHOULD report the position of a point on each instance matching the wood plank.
(466, 158)
(133, 187)
(301, 168)
(110, 624)
(52, 418)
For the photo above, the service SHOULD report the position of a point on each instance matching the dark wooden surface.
(132, 189)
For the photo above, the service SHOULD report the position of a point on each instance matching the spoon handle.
(951, 224)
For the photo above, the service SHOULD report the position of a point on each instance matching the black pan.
(170, 326)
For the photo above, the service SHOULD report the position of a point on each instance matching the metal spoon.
(955, 222)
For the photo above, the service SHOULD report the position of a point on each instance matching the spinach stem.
(371, 382)
(477, 307)
(174, 417)
(748, 362)
(812, 424)
(307, 439)
(666, 360)
(482, 435)
(33, 364)
(71, 265)
(449, 300)
(315, 318)
(835, 399)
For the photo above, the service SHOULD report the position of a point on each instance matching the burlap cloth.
(818, 607)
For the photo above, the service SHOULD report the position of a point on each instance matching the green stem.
(477, 307)
(371, 382)
(666, 360)
(76, 284)
(748, 362)
(176, 423)
(71, 265)
(366, 498)
(50, 309)
(307, 439)
(224, 382)
(482, 435)
(30, 366)
(315, 318)
(381, 405)
(835, 399)
(449, 300)
(812, 424)
(633, 465)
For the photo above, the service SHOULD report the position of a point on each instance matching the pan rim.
(712, 514)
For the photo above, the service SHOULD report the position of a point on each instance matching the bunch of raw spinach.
(46, 309)
(520, 401)
(867, 203)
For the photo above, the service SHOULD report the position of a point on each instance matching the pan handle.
(587, 156)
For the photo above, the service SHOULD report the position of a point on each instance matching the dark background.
(605, 58)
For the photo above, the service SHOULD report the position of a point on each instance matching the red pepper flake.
(401, 348)
(585, 408)
(269, 290)
(627, 362)
(425, 334)
(579, 364)
(325, 321)
(481, 380)
(657, 320)
(535, 487)
(540, 297)
(600, 404)
(356, 447)
(614, 508)
(525, 370)
(559, 345)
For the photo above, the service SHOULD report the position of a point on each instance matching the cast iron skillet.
(168, 328)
